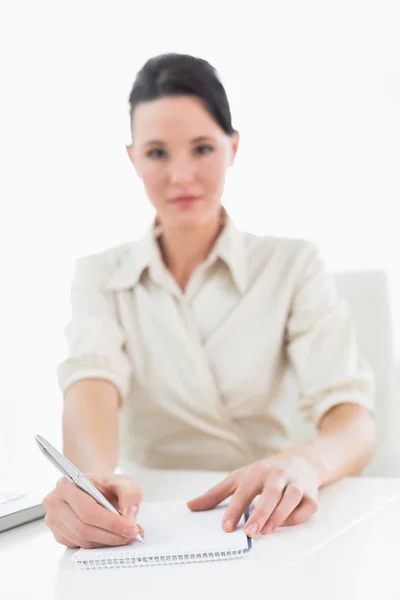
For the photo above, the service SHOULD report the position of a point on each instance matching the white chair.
(367, 295)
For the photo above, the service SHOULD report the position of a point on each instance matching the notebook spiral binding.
(145, 560)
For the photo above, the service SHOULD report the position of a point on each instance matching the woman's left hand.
(288, 489)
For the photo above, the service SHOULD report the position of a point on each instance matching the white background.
(314, 89)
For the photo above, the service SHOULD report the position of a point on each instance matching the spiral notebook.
(173, 534)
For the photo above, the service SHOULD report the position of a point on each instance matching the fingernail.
(268, 527)
(131, 532)
(132, 512)
(230, 524)
(252, 529)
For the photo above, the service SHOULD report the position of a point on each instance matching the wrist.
(88, 464)
(310, 453)
(318, 465)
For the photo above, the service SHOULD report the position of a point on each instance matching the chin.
(190, 219)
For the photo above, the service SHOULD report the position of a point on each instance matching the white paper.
(171, 528)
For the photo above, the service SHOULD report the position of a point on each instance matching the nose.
(182, 170)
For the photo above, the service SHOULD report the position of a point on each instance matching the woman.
(191, 347)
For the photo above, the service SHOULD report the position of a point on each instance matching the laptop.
(18, 509)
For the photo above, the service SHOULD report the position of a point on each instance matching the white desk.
(349, 550)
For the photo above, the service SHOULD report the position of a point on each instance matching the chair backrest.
(367, 295)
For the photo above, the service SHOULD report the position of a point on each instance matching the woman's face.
(181, 154)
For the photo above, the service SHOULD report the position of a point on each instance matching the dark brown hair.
(182, 75)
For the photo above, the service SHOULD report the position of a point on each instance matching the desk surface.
(349, 550)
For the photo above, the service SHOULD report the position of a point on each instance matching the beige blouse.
(211, 377)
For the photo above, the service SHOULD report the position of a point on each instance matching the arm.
(336, 383)
(90, 431)
(288, 482)
(336, 393)
(90, 425)
(95, 376)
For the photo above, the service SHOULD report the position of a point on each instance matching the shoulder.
(98, 269)
(282, 253)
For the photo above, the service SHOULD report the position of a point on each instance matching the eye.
(204, 149)
(156, 153)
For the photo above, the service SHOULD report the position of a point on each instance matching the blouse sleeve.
(95, 338)
(322, 344)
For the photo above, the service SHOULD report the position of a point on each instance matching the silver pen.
(75, 476)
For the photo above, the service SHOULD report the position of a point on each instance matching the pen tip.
(139, 538)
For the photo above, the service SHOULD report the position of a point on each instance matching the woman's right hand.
(78, 521)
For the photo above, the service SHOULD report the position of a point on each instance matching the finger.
(91, 513)
(214, 496)
(128, 494)
(141, 531)
(63, 536)
(65, 541)
(60, 533)
(241, 500)
(306, 509)
(69, 539)
(75, 542)
(291, 498)
(62, 540)
(91, 533)
(270, 497)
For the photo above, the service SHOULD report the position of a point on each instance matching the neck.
(184, 250)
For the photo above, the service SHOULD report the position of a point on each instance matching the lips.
(184, 199)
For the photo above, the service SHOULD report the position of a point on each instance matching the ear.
(234, 146)
(129, 150)
(131, 154)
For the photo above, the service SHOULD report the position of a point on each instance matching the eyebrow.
(197, 140)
